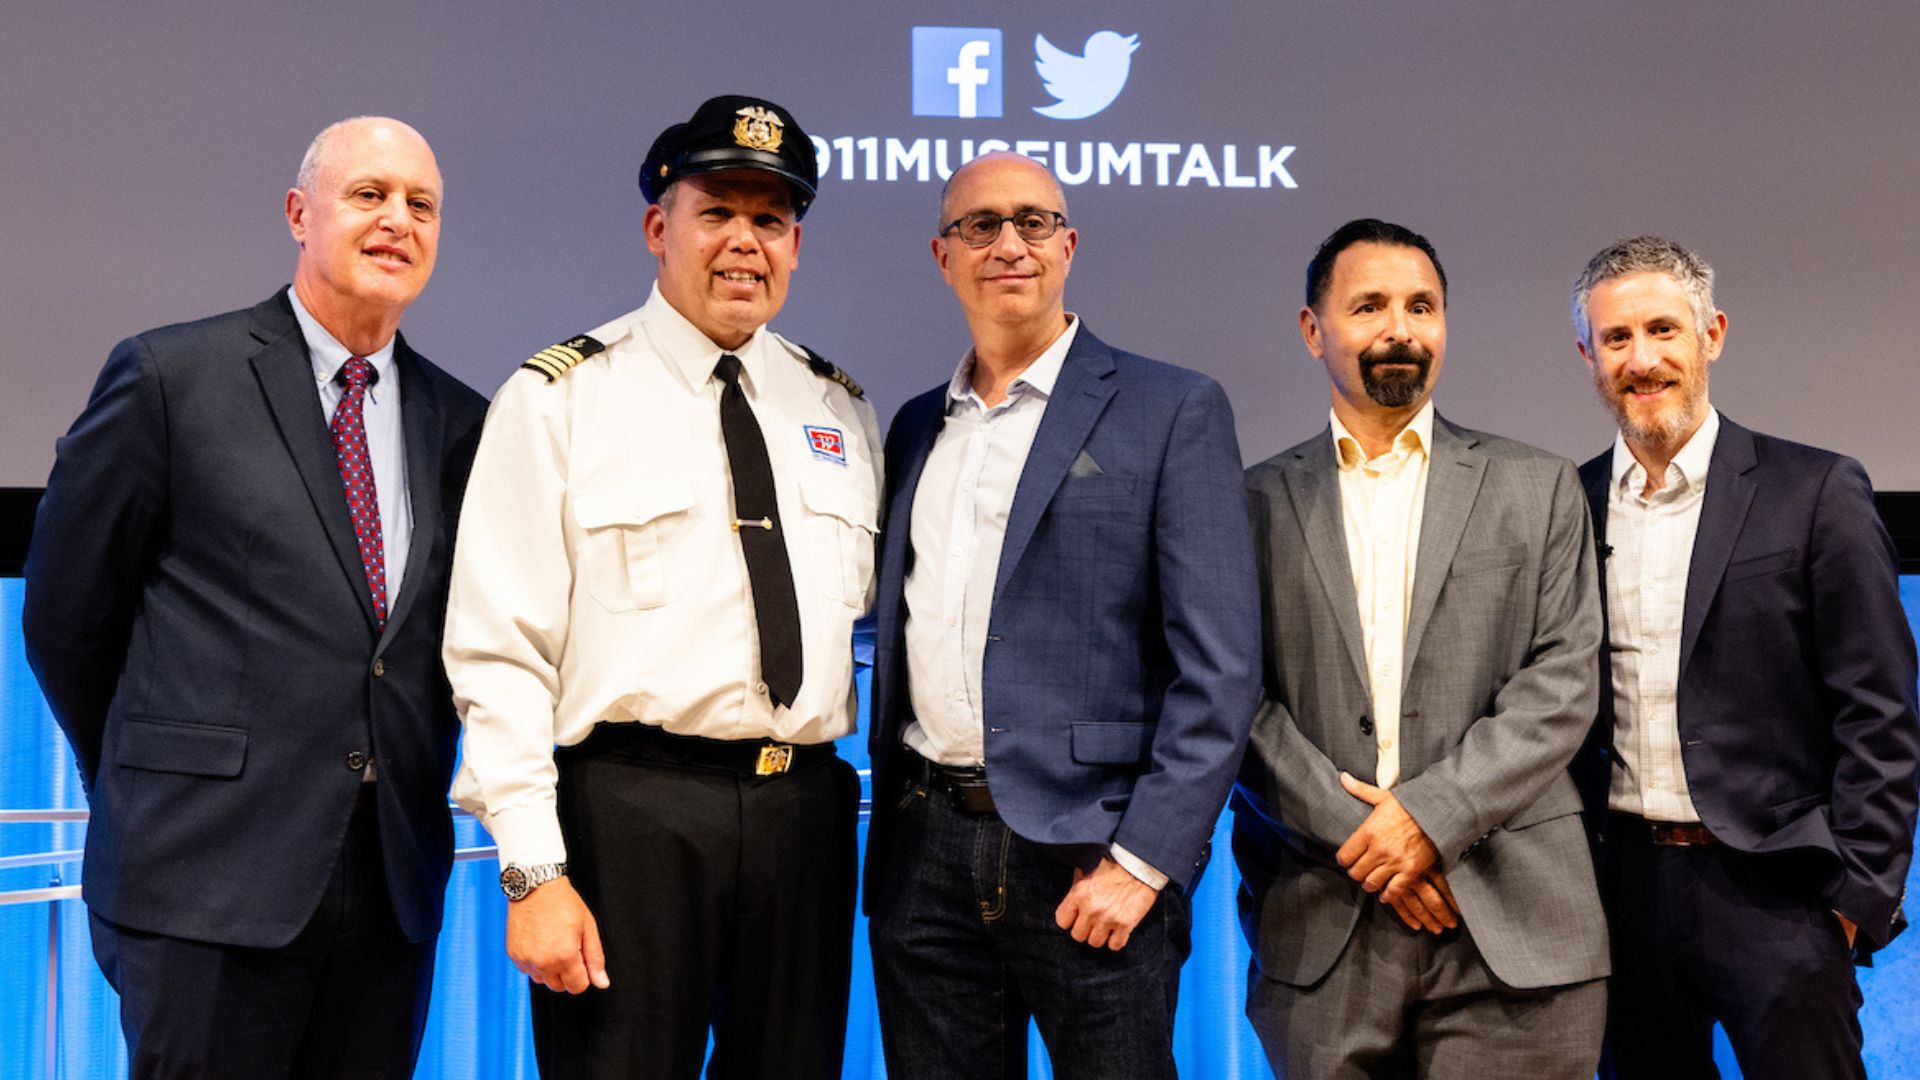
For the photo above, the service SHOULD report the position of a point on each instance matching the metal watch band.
(517, 881)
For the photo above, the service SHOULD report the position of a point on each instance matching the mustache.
(1400, 352)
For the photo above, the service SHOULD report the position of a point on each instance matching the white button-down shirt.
(1652, 541)
(1381, 501)
(385, 447)
(959, 523)
(598, 579)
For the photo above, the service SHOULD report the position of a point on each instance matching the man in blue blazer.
(1757, 737)
(234, 598)
(1065, 671)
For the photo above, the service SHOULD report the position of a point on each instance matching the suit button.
(1366, 725)
(357, 761)
(379, 668)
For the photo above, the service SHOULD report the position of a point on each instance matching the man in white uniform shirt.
(1418, 893)
(1757, 728)
(672, 533)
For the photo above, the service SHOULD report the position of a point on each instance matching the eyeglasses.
(983, 228)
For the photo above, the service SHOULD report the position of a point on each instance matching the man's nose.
(1007, 244)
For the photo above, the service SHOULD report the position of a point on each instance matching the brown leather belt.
(964, 785)
(1664, 833)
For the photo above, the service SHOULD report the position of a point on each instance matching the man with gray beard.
(1754, 766)
(1431, 620)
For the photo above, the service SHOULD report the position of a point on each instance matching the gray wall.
(147, 149)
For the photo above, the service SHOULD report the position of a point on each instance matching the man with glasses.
(1065, 671)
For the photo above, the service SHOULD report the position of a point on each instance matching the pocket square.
(1084, 465)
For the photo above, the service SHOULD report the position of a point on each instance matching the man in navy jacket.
(234, 599)
(1066, 667)
(1757, 714)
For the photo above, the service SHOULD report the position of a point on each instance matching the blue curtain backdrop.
(478, 1028)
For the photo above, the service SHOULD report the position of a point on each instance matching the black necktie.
(756, 515)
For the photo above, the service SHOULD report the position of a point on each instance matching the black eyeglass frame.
(1001, 221)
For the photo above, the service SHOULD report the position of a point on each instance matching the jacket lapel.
(1722, 513)
(1080, 395)
(285, 372)
(420, 430)
(1454, 471)
(1313, 485)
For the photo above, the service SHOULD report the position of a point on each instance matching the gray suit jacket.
(1499, 690)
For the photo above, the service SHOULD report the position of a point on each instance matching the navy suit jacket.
(199, 619)
(1797, 672)
(1122, 663)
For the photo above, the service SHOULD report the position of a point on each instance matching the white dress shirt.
(1381, 501)
(597, 578)
(385, 447)
(959, 522)
(1652, 542)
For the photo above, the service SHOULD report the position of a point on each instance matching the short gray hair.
(1641, 254)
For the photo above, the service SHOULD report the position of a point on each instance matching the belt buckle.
(774, 759)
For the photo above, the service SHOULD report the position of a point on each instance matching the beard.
(1396, 387)
(1668, 423)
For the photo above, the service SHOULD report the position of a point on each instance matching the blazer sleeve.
(1287, 779)
(1542, 714)
(1203, 559)
(95, 540)
(1863, 651)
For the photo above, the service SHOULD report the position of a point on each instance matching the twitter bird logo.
(1084, 84)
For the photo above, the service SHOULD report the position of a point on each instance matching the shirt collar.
(1691, 462)
(329, 356)
(1040, 376)
(1415, 438)
(691, 352)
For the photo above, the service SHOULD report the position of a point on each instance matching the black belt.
(964, 785)
(1663, 833)
(748, 757)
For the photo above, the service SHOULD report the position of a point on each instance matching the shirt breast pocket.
(629, 534)
(843, 518)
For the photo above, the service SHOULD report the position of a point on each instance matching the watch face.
(513, 882)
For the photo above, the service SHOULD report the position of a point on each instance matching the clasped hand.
(1390, 855)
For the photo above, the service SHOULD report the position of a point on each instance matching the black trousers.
(346, 998)
(1706, 934)
(725, 904)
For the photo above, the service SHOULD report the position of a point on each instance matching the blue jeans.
(965, 952)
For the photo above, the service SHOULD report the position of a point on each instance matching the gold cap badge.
(758, 129)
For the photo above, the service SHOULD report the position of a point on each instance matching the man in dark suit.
(1064, 670)
(1757, 721)
(1416, 889)
(234, 599)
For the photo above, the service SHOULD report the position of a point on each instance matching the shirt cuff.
(527, 837)
(1135, 865)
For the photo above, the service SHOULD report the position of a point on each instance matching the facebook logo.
(956, 71)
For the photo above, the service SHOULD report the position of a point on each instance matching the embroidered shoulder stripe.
(556, 360)
(824, 368)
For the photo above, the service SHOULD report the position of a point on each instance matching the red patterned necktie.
(356, 476)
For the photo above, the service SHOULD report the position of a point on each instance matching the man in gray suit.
(1417, 889)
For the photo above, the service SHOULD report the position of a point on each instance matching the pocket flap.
(631, 505)
(1473, 562)
(840, 497)
(1111, 742)
(1772, 562)
(170, 746)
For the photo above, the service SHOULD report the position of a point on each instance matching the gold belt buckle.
(775, 758)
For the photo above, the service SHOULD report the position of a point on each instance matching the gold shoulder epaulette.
(556, 360)
(824, 368)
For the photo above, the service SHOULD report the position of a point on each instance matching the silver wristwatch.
(517, 881)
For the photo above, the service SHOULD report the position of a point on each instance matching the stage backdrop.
(1206, 149)
(478, 1029)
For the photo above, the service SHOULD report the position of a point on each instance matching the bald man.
(234, 601)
